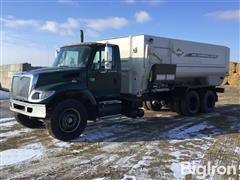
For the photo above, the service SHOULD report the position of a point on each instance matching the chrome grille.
(20, 86)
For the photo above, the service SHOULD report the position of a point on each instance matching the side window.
(104, 59)
(97, 61)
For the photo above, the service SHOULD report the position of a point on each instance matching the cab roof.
(84, 43)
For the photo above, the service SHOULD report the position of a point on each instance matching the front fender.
(64, 89)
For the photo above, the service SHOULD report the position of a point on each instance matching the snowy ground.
(152, 147)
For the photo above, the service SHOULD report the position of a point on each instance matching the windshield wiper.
(63, 66)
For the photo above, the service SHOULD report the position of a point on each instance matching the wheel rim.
(69, 120)
(156, 104)
(193, 104)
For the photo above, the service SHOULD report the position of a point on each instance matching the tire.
(67, 120)
(208, 100)
(26, 121)
(154, 105)
(190, 104)
(145, 105)
(140, 113)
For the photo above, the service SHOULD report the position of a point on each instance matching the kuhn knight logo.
(179, 52)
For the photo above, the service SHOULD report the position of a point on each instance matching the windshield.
(72, 56)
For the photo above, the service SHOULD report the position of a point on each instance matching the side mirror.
(108, 57)
(56, 53)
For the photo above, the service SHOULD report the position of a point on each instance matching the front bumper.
(28, 109)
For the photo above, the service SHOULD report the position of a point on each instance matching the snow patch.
(176, 169)
(145, 162)
(128, 177)
(176, 165)
(103, 178)
(190, 140)
(124, 162)
(141, 163)
(24, 154)
(180, 170)
(63, 144)
(193, 129)
(237, 150)
(8, 124)
(96, 135)
(2, 120)
(110, 147)
(185, 132)
(98, 157)
(10, 134)
(110, 159)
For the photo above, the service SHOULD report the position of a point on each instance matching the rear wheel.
(140, 112)
(154, 105)
(28, 121)
(68, 120)
(208, 100)
(190, 104)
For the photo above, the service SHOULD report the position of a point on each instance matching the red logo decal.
(179, 52)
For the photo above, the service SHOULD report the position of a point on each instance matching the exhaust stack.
(81, 36)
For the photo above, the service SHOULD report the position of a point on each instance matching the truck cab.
(101, 64)
(83, 84)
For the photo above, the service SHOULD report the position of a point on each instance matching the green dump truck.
(118, 76)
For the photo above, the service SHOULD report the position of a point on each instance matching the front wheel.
(29, 122)
(68, 120)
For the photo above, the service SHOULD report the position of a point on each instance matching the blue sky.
(31, 31)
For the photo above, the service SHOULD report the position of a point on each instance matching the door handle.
(92, 79)
(104, 71)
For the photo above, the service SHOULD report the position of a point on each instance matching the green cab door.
(104, 78)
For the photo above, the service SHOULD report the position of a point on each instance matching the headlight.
(37, 96)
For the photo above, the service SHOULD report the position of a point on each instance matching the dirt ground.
(153, 147)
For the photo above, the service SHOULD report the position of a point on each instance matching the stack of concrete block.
(7, 72)
(233, 77)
